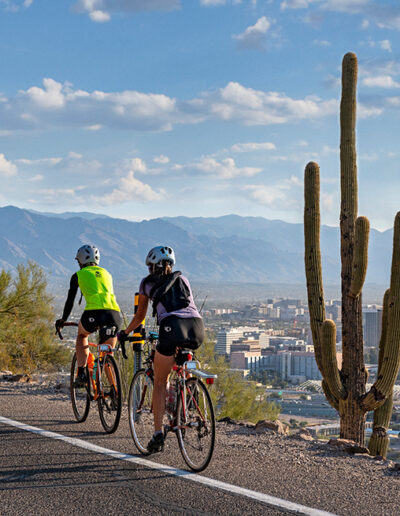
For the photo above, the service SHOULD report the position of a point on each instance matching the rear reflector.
(209, 381)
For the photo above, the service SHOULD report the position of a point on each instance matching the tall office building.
(372, 321)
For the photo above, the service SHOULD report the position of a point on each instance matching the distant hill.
(229, 249)
(70, 214)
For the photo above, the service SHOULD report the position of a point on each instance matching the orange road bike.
(189, 409)
(103, 387)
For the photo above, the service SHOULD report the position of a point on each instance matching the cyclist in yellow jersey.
(101, 311)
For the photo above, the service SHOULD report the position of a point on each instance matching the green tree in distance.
(27, 341)
(232, 395)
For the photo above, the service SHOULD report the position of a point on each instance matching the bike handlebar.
(58, 328)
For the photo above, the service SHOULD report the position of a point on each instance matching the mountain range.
(228, 249)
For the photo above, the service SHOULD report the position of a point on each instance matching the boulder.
(349, 446)
(304, 435)
(21, 378)
(228, 420)
(272, 426)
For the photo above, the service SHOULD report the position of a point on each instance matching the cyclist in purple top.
(180, 323)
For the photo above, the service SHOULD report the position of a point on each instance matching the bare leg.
(162, 368)
(82, 346)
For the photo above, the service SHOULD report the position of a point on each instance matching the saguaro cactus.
(346, 389)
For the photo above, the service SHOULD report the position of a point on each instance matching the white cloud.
(94, 127)
(74, 155)
(47, 162)
(135, 165)
(322, 43)
(60, 105)
(130, 188)
(15, 5)
(50, 96)
(296, 4)
(254, 37)
(213, 3)
(364, 111)
(163, 160)
(225, 169)
(385, 16)
(283, 196)
(369, 157)
(267, 195)
(208, 3)
(383, 81)
(37, 177)
(7, 168)
(385, 45)
(99, 16)
(327, 201)
(252, 107)
(101, 10)
(251, 147)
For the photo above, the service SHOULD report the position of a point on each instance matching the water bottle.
(94, 369)
(90, 362)
(170, 398)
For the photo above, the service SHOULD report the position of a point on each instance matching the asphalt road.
(43, 476)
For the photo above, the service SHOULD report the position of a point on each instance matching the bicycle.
(103, 387)
(191, 414)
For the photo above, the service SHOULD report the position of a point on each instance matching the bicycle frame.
(184, 372)
(97, 383)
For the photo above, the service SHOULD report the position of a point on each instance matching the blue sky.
(147, 108)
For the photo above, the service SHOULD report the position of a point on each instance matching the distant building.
(291, 366)
(372, 322)
(226, 337)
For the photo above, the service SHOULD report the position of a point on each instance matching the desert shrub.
(27, 340)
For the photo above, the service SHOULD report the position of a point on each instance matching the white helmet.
(88, 254)
(159, 254)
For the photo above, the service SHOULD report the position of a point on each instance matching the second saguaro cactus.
(346, 388)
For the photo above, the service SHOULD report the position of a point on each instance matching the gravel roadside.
(309, 472)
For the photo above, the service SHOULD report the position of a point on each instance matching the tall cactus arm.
(379, 442)
(329, 396)
(329, 359)
(360, 256)
(390, 364)
(348, 157)
(315, 290)
(373, 404)
(353, 369)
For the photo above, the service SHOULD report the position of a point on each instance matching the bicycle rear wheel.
(109, 401)
(80, 396)
(140, 409)
(196, 425)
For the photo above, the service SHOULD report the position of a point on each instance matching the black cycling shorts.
(108, 322)
(177, 332)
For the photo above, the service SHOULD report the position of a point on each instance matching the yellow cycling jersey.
(97, 288)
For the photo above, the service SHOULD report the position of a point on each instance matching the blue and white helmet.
(159, 254)
(88, 254)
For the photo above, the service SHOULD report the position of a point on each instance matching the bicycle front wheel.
(196, 425)
(140, 408)
(109, 401)
(80, 396)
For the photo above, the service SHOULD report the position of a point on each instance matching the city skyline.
(141, 109)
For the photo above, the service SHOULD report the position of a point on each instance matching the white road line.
(210, 482)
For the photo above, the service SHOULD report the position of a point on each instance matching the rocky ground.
(336, 477)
